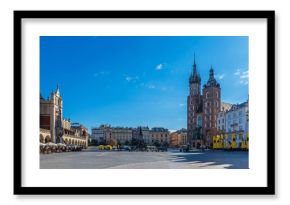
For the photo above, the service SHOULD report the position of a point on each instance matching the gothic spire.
(194, 67)
(57, 89)
(194, 77)
(211, 72)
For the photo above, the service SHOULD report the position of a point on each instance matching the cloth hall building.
(54, 128)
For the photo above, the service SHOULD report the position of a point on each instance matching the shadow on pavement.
(216, 158)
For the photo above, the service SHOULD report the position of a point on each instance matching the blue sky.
(132, 81)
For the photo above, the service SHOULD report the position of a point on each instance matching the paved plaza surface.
(92, 158)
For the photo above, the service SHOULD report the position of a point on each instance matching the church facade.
(203, 106)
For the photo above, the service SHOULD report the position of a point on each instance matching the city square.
(187, 116)
(92, 158)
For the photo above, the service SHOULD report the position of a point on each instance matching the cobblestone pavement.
(173, 159)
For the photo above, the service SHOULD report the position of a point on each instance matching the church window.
(206, 95)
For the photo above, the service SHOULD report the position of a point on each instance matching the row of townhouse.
(123, 135)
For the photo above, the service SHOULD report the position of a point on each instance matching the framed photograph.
(144, 102)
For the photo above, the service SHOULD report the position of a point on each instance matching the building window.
(206, 95)
(240, 120)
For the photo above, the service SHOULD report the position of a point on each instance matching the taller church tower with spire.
(194, 107)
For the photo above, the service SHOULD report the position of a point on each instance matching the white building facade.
(107, 133)
(237, 118)
(235, 121)
(121, 134)
(98, 133)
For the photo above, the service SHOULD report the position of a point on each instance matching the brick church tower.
(194, 108)
(202, 109)
(211, 106)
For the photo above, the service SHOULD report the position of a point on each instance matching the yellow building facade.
(231, 141)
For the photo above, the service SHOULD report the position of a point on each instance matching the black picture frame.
(268, 190)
